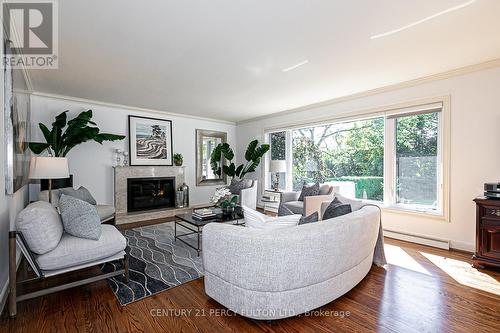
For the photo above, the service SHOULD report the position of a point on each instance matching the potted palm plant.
(65, 135)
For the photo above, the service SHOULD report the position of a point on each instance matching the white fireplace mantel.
(122, 173)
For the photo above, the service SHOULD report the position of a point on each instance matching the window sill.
(435, 215)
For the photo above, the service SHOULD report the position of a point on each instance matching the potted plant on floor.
(253, 156)
(76, 131)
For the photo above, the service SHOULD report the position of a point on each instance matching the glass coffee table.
(195, 226)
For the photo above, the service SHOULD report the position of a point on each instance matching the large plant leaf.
(38, 147)
(215, 160)
(46, 132)
(229, 169)
(227, 151)
(238, 170)
(250, 153)
(101, 137)
(60, 120)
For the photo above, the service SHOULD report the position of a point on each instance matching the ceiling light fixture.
(295, 66)
(428, 18)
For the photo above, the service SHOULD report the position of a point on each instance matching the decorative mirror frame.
(200, 133)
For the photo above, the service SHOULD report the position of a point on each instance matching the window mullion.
(389, 161)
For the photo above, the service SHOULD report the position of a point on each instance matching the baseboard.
(418, 239)
(462, 246)
(4, 294)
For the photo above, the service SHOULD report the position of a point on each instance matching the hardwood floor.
(421, 290)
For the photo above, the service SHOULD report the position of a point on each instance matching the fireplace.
(150, 193)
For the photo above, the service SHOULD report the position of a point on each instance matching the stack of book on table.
(203, 214)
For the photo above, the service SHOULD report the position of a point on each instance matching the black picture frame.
(155, 158)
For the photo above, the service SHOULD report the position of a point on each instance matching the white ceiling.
(224, 58)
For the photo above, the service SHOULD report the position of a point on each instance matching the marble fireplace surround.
(121, 174)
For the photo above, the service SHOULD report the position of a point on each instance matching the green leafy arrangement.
(253, 156)
(178, 158)
(229, 202)
(78, 130)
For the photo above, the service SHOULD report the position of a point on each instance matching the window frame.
(390, 113)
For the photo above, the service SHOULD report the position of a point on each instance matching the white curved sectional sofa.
(273, 274)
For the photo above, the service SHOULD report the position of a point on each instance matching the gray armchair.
(310, 204)
(106, 212)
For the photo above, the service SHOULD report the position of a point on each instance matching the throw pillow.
(80, 219)
(256, 220)
(237, 185)
(314, 217)
(336, 208)
(82, 193)
(309, 191)
(41, 226)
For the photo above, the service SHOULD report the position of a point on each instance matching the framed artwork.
(17, 112)
(150, 141)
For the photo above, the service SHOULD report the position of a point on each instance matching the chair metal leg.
(126, 265)
(12, 275)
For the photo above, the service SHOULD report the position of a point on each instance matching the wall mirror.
(206, 141)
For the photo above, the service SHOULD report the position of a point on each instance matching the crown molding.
(406, 84)
(128, 107)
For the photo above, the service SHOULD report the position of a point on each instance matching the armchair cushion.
(325, 189)
(237, 185)
(41, 226)
(289, 196)
(297, 207)
(73, 251)
(105, 212)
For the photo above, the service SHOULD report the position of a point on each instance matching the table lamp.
(43, 167)
(276, 167)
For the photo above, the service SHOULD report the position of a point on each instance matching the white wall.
(91, 164)
(10, 205)
(475, 146)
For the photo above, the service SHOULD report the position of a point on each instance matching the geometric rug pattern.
(156, 263)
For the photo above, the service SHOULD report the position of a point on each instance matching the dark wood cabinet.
(487, 233)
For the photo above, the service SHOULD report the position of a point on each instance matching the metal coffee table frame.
(195, 227)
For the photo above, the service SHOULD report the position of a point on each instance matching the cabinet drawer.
(492, 212)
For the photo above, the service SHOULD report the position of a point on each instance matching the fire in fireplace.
(150, 193)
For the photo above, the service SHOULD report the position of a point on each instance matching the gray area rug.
(156, 263)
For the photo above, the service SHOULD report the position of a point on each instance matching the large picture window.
(391, 157)
(350, 152)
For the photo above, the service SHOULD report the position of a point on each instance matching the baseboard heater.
(418, 239)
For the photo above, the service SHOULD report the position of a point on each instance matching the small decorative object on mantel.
(150, 141)
(178, 159)
(118, 158)
(125, 158)
(185, 190)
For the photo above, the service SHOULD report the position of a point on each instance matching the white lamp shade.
(277, 166)
(42, 167)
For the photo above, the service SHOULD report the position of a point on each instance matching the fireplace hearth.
(149, 193)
